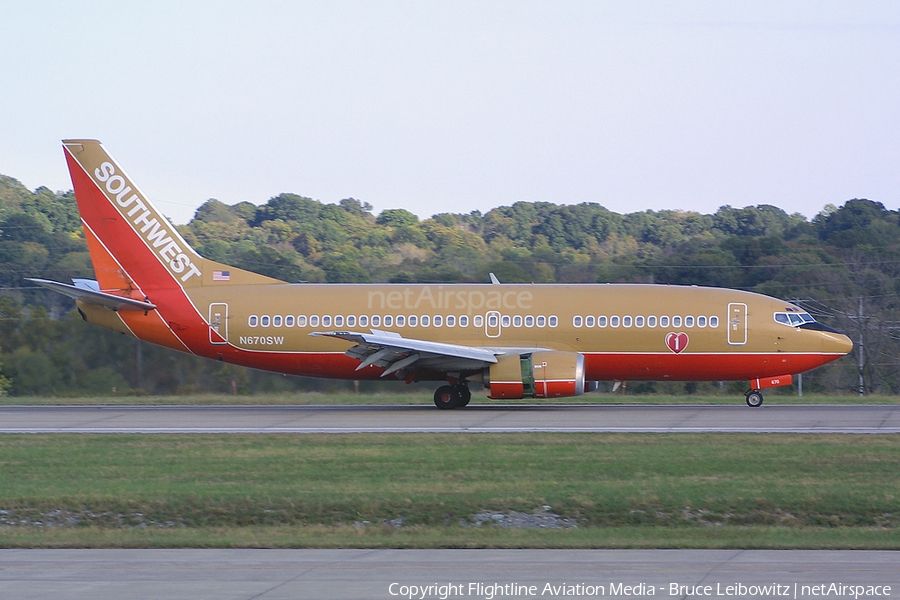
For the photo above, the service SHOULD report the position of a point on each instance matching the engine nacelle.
(536, 375)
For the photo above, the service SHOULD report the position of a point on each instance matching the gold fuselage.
(625, 330)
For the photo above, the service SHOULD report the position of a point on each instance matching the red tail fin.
(133, 246)
(137, 253)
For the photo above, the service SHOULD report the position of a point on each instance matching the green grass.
(624, 490)
(424, 397)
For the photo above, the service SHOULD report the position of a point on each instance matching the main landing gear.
(754, 398)
(452, 396)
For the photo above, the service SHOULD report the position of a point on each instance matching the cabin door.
(737, 324)
(218, 323)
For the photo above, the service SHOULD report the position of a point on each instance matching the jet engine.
(536, 375)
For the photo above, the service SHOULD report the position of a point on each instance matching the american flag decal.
(221, 275)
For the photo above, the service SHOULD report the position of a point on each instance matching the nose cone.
(836, 343)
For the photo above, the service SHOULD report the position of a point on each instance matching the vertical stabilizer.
(134, 248)
(122, 224)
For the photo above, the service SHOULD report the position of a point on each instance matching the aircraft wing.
(92, 296)
(393, 352)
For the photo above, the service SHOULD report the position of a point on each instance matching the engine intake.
(536, 375)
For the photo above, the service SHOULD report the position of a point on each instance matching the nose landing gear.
(452, 396)
(754, 398)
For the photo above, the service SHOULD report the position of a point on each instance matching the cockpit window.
(793, 319)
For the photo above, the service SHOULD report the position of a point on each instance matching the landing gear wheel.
(464, 394)
(446, 397)
(754, 398)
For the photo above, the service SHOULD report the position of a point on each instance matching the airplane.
(515, 340)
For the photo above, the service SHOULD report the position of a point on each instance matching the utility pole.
(860, 364)
(139, 365)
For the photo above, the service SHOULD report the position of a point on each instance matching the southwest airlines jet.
(517, 341)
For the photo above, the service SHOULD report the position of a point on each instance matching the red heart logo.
(677, 342)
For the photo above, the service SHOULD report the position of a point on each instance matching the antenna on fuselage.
(494, 279)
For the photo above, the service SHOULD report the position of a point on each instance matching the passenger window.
(492, 320)
(626, 321)
(701, 321)
(363, 320)
(400, 320)
(314, 321)
(339, 321)
(426, 319)
(651, 321)
(664, 321)
(464, 321)
(351, 321)
(504, 320)
(689, 321)
(601, 321)
(478, 321)
(541, 321)
(517, 321)
(413, 320)
(451, 321)
(553, 321)
(529, 321)
(589, 321)
(289, 321)
(614, 321)
(254, 320)
(676, 321)
(301, 321)
(376, 321)
(326, 321)
(639, 321)
(264, 321)
(388, 320)
(577, 321)
(714, 321)
(276, 321)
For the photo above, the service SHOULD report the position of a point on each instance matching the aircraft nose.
(836, 343)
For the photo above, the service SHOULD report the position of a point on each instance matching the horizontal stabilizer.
(90, 296)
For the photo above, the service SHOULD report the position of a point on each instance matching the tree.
(397, 217)
(288, 207)
(860, 222)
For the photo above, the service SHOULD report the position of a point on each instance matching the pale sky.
(459, 106)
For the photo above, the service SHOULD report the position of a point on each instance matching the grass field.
(418, 490)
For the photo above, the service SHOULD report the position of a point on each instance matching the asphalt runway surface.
(483, 574)
(862, 419)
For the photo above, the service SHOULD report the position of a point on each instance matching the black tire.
(754, 398)
(445, 397)
(464, 394)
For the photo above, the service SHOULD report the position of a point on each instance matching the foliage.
(826, 264)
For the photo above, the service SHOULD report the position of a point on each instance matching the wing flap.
(393, 352)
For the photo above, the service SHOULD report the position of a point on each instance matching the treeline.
(843, 257)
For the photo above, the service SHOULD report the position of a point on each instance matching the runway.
(856, 419)
(374, 574)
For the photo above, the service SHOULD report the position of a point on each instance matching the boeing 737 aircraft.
(517, 341)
